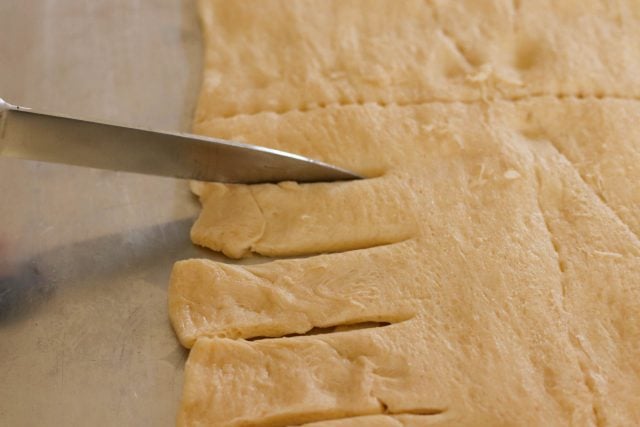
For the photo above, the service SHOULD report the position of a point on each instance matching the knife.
(34, 135)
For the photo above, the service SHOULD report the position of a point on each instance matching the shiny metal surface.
(85, 254)
(33, 135)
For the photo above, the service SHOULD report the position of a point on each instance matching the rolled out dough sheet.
(281, 55)
(488, 275)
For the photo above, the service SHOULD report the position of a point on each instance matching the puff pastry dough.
(488, 275)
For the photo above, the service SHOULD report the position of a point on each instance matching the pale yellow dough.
(282, 55)
(490, 270)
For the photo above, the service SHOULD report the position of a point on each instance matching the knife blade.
(34, 135)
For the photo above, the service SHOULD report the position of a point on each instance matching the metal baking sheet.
(85, 255)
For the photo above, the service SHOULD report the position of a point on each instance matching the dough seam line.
(386, 104)
(571, 334)
(599, 196)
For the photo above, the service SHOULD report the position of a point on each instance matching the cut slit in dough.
(513, 293)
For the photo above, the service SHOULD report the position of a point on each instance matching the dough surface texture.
(487, 274)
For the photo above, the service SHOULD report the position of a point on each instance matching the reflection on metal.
(27, 134)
